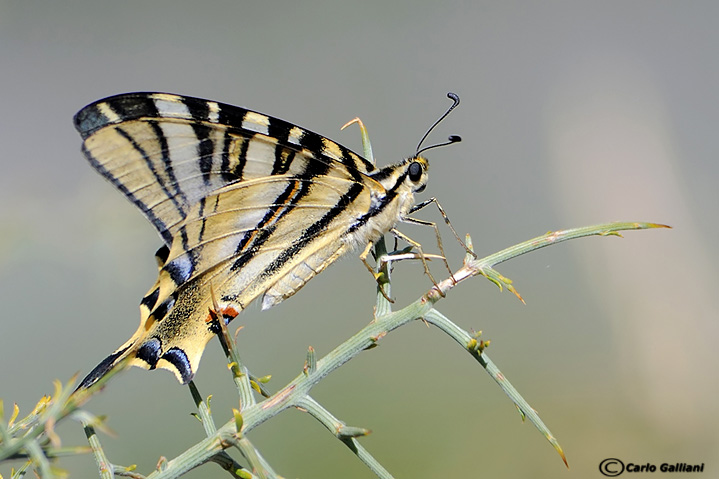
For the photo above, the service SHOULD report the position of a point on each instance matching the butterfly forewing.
(166, 152)
(248, 205)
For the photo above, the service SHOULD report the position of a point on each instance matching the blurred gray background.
(573, 113)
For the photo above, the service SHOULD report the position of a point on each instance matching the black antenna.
(452, 139)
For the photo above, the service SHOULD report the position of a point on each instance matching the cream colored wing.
(248, 206)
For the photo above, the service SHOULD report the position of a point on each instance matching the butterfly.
(249, 207)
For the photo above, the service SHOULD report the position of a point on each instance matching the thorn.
(255, 386)
(310, 362)
(471, 255)
(375, 340)
(344, 432)
(379, 336)
(13, 416)
(559, 450)
(516, 293)
(161, 464)
(468, 242)
(352, 122)
(236, 332)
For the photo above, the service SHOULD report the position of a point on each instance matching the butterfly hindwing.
(247, 236)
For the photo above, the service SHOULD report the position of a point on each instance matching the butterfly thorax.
(400, 182)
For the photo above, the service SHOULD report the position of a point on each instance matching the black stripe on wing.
(315, 229)
(297, 189)
(142, 105)
(144, 208)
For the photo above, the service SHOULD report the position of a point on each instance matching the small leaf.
(41, 405)
(311, 361)
(239, 421)
(129, 468)
(13, 416)
(243, 474)
(58, 472)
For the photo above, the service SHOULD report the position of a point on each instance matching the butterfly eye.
(415, 172)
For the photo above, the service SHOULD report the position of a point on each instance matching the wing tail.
(108, 364)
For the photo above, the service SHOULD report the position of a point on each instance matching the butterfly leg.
(421, 205)
(418, 246)
(376, 275)
(416, 221)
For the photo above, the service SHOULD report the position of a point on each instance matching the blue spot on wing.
(150, 352)
(178, 358)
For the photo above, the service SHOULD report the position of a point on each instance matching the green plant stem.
(203, 410)
(463, 338)
(296, 392)
(39, 459)
(345, 434)
(240, 374)
(42, 423)
(226, 462)
(253, 456)
(382, 306)
(484, 265)
(104, 466)
(24, 437)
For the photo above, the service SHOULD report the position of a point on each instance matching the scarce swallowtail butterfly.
(248, 207)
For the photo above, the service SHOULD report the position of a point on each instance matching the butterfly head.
(416, 173)
(408, 176)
